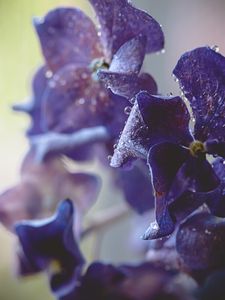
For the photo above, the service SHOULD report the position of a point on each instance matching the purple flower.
(42, 186)
(158, 130)
(49, 243)
(200, 244)
(126, 282)
(70, 97)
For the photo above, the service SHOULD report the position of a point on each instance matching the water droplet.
(127, 110)
(215, 48)
(48, 74)
(109, 157)
(163, 51)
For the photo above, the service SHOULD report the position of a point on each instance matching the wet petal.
(216, 202)
(120, 22)
(52, 240)
(200, 242)
(201, 75)
(67, 35)
(34, 106)
(133, 140)
(166, 117)
(137, 188)
(130, 56)
(164, 161)
(73, 100)
(128, 85)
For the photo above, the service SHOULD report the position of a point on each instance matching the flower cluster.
(92, 100)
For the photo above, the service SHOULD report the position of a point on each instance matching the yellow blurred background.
(187, 24)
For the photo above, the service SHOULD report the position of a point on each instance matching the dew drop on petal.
(127, 110)
(215, 48)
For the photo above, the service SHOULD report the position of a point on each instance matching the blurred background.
(186, 24)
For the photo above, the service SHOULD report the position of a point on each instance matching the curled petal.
(132, 142)
(52, 241)
(201, 75)
(164, 161)
(128, 85)
(200, 242)
(120, 22)
(67, 35)
(167, 119)
(130, 56)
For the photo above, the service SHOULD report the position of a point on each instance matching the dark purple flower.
(49, 243)
(73, 98)
(145, 282)
(158, 129)
(200, 244)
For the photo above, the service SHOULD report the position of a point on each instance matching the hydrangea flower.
(158, 130)
(50, 243)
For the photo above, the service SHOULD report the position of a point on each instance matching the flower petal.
(216, 202)
(50, 240)
(127, 85)
(215, 147)
(120, 22)
(67, 35)
(201, 75)
(200, 242)
(166, 117)
(164, 161)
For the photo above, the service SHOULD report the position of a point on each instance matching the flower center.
(197, 148)
(97, 64)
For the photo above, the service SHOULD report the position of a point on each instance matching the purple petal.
(216, 202)
(201, 75)
(130, 56)
(34, 107)
(73, 100)
(164, 161)
(200, 242)
(67, 35)
(215, 147)
(44, 242)
(137, 188)
(128, 85)
(196, 175)
(167, 119)
(120, 22)
(132, 142)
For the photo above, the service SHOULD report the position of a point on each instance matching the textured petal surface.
(67, 35)
(200, 242)
(130, 56)
(44, 242)
(73, 100)
(201, 74)
(128, 85)
(132, 142)
(137, 188)
(120, 22)
(167, 119)
(216, 203)
(164, 161)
